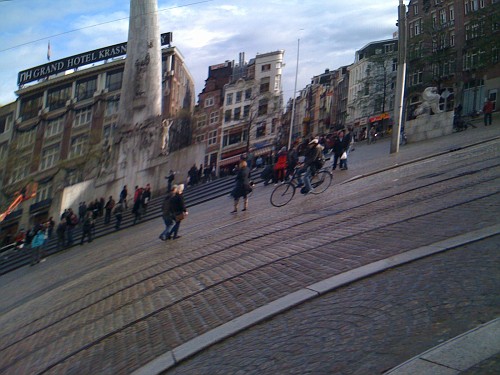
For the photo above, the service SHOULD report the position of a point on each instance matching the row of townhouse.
(452, 45)
(239, 109)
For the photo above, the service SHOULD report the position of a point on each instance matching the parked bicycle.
(283, 193)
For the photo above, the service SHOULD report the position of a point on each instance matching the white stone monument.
(138, 136)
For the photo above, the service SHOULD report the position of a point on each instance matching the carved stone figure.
(430, 101)
(165, 137)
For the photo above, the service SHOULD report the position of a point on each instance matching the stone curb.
(455, 355)
(191, 347)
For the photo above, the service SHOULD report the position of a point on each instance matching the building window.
(246, 111)
(237, 113)
(248, 94)
(43, 192)
(73, 177)
(452, 39)
(111, 108)
(264, 85)
(78, 146)
(227, 115)
(416, 78)
(5, 123)
(54, 127)
(212, 137)
(262, 107)
(442, 16)
(202, 121)
(19, 172)
(209, 102)
(200, 138)
(434, 20)
(50, 156)
(266, 67)
(452, 13)
(26, 138)
(415, 10)
(394, 65)
(57, 97)
(86, 88)
(239, 95)
(214, 117)
(260, 130)
(114, 80)
(277, 83)
(31, 106)
(481, 4)
(82, 117)
(229, 99)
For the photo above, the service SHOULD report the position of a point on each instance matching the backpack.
(319, 162)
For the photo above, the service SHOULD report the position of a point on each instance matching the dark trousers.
(86, 232)
(118, 221)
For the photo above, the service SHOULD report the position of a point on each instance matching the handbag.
(180, 216)
(344, 156)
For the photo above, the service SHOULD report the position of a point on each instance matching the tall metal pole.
(294, 95)
(401, 78)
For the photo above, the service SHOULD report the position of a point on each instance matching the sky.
(206, 32)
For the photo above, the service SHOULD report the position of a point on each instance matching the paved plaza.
(411, 241)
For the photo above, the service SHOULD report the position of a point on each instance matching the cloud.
(205, 32)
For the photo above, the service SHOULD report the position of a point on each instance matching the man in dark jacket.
(167, 214)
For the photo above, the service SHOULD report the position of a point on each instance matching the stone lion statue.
(430, 101)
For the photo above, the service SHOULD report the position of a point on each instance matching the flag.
(48, 51)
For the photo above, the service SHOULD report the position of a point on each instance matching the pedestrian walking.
(167, 214)
(178, 208)
(123, 196)
(61, 234)
(487, 111)
(146, 197)
(118, 212)
(280, 165)
(242, 186)
(36, 247)
(110, 204)
(88, 224)
(137, 208)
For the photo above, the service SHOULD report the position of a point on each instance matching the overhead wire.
(97, 24)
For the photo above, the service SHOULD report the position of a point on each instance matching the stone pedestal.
(429, 126)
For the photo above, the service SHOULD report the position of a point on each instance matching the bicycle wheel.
(282, 194)
(321, 181)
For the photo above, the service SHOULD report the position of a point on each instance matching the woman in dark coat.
(242, 186)
(179, 211)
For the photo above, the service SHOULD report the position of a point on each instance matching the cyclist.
(312, 163)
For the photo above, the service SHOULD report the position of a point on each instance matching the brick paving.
(115, 306)
(372, 325)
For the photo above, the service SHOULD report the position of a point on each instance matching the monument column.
(138, 134)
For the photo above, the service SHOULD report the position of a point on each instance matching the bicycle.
(283, 194)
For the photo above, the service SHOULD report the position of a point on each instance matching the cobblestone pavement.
(114, 306)
(372, 325)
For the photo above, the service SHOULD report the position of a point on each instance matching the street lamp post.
(401, 77)
(294, 95)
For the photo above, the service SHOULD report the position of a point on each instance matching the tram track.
(355, 213)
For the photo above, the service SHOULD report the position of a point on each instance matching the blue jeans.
(169, 224)
(306, 172)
